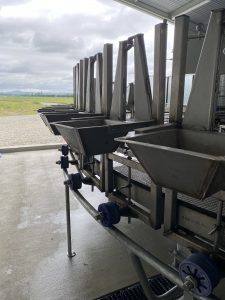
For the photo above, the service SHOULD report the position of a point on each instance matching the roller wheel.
(76, 181)
(204, 271)
(64, 162)
(110, 213)
(65, 150)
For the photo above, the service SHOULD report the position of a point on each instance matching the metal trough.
(50, 118)
(95, 136)
(187, 161)
(58, 108)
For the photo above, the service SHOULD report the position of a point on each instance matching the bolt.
(190, 283)
(67, 182)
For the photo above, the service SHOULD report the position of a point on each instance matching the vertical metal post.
(85, 69)
(81, 98)
(178, 70)
(118, 110)
(102, 172)
(142, 277)
(77, 84)
(130, 103)
(74, 86)
(107, 79)
(156, 206)
(109, 185)
(170, 210)
(218, 225)
(167, 90)
(98, 86)
(142, 88)
(159, 83)
(201, 108)
(90, 96)
(129, 189)
(70, 252)
(158, 108)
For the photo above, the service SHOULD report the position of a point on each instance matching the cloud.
(39, 52)
(12, 2)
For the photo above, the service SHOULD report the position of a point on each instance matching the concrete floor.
(33, 244)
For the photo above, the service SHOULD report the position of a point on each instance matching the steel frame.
(150, 203)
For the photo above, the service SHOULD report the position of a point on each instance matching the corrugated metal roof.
(163, 5)
(198, 10)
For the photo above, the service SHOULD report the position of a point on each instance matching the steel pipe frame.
(170, 210)
(135, 248)
(144, 281)
(139, 191)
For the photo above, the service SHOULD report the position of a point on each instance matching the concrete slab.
(33, 245)
(22, 148)
(25, 130)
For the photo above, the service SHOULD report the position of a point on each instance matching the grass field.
(28, 105)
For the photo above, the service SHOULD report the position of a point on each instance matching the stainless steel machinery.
(170, 176)
(87, 95)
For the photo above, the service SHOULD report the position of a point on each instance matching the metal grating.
(159, 284)
(136, 175)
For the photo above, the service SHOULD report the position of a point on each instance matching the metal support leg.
(218, 226)
(70, 252)
(129, 190)
(142, 276)
(156, 206)
(170, 211)
(108, 174)
(169, 295)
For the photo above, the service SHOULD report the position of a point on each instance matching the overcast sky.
(41, 40)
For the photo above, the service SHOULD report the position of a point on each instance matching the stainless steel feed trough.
(188, 161)
(58, 108)
(95, 136)
(50, 118)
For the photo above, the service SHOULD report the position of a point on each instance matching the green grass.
(28, 105)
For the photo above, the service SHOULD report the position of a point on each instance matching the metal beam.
(178, 70)
(98, 86)
(74, 86)
(202, 101)
(107, 74)
(90, 95)
(142, 89)
(85, 70)
(118, 109)
(77, 84)
(159, 83)
(188, 7)
(81, 96)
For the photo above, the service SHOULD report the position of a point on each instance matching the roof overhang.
(197, 10)
(152, 8)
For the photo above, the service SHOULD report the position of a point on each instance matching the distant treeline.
(36, 95)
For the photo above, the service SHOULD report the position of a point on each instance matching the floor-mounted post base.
(70, 252)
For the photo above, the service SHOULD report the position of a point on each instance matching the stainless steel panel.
(190, 162)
